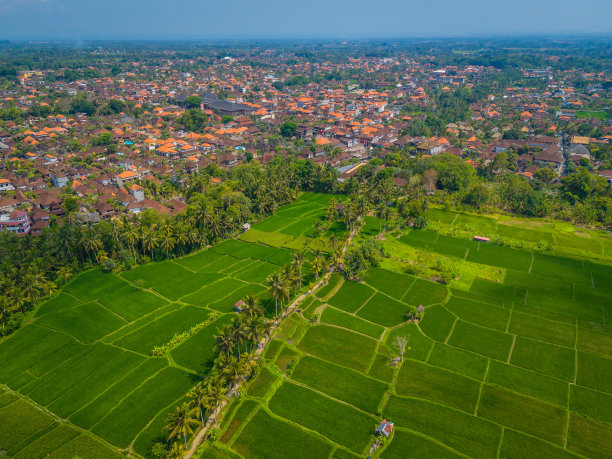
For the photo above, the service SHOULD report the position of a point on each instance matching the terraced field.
(80, 378)
(519, 368)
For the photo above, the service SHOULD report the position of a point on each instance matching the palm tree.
(234, 370)
(198, 399)
(253, 329)
(252, 308)
(274, 282)
(237, 333)
(215, 394)
(225, 341)
(149, 240)
(317, 265)
(167, 240)
(131, 236)
(180, 422)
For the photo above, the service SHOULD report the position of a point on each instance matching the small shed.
(420, 309)
(246, 226)
(239, 306)
(481, 239)
(385, 428)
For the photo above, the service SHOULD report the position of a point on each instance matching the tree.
(193, 102)
(193, 120)
(400, 343)
(275, 282)
(430, 177)
(546, 174)
(288, 129)
(477, 195)
(198, 399)
(215, 394)
(180, 422)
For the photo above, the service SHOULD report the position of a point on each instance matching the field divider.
(511, 349)
(364, 303)
(451, 330)
(58, 419)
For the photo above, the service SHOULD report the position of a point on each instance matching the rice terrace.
(508, 353)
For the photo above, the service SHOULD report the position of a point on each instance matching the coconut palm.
(131, 236)
(149, 240)
(234, 370)
(237, 333)
(252, 308)
(180, 422)
(274, 282)
(225, 341)
(198, 399)
(215, 394)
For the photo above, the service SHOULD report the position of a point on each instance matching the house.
(5, 185)
(481, 239)
(59, 180)
(239, 306)
(16, 222)
(137, 191)
(385, 428)
(126, 177)
(551, 157)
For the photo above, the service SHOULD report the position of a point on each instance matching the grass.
(67, 375)
(460, 431)
(549, 359)
(425, 293)
(132, 303)
(409, 444)
(517, 445)
(589, 438)
(418, 345)
(123, 423)
(20, 421)
(240, 416)
(87, 323)
(351, 428)
(522, 413)
(104, 377)
(197, 352)
(593, 404)
(384, 310)
(481, 340)
(381, 369)
(458, 360)
(542, 329)
(332, 283)
(391, 283)
(529, 383)
(260, 439)
(341, 383)
(437, 323)
(592, 341)
(479, 313)
(285, 358)
(417, 379)
(47, 443)
(87, 447)
(162, 330)
(262, 383)
(90, 285)
(90, 414)
(351, 296)
(339, 346)
(594, 371)
(335, 317)
(58, 303)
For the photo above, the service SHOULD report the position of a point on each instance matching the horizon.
(84, 20)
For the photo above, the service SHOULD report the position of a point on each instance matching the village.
(99, 143)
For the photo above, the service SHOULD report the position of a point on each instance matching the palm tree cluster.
(290, 277)
(33, 267)
(234, 362)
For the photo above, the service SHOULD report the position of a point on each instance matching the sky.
(337, 19)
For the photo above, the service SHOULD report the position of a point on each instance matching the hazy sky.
(177, 19)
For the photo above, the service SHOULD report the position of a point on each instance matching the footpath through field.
(260, 348)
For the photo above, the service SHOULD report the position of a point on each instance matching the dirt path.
(197, 440)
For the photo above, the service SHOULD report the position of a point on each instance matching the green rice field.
(519, 367)
(80, 378)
